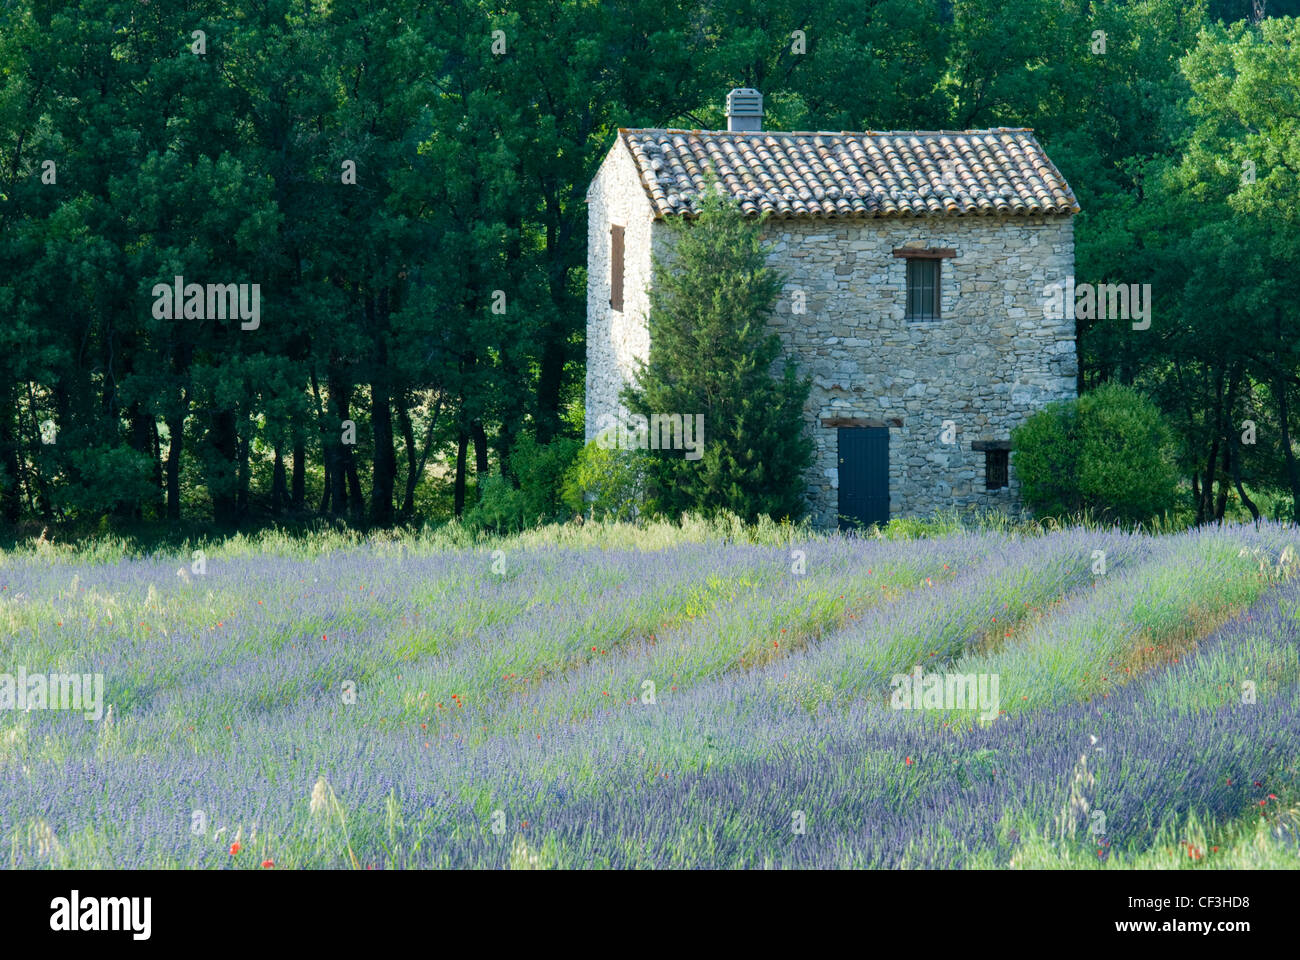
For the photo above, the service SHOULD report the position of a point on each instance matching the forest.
(402, 186)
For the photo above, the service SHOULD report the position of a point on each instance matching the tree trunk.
(339, 453)
(299, 482)
(243, 472)
(458, 495)
(338, 482)
(383, 459)
(505, 443)
(550, 378)
(1292, 473)
(1228, 432)
(37, 476)
(480, 448)
(326, 447)
(11, 504)
(1204, 509)
(384, 474)
(1284, 413)
(222, 480)
(155, 454)
(176, 430)
(138, 440)
(356, 502)
(428, 438)
(1235, 446)
(549, 381)
(412, 458)
(278, 482)
(1224, 478)
(328, 490)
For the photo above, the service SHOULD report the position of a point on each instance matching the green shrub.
(1045, 460)
(540, 469)
(606, 484)
(1108, 453)
(500, 507)
(534, 494)
(107, 477)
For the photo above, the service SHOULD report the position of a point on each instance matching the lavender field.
(663, 697)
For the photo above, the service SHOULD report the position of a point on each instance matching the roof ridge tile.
(998, 170)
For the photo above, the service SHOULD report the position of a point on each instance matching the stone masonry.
(986, 365)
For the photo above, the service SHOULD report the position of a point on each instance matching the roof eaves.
(640, 174)
(1052, 207)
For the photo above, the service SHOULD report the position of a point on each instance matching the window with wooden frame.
(995, 468)
(923, 275)
(922, 289)
(616, 267)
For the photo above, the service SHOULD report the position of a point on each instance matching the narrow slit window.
(922, 289)
(616, 267)
(995, 469)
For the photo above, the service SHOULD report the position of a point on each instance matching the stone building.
(915, 265)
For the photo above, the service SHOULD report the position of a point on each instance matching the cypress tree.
(713, 353)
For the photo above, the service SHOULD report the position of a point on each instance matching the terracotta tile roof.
(999, 172)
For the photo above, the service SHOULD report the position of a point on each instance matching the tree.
(1109, 452)
(1243, 155)
(712, 355)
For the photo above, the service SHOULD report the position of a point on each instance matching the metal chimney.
(744, 109)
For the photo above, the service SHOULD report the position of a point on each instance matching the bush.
(500, 507)
(1109, 453)
(606, 484)
(540, 469)
(107, 477)
(534, 496)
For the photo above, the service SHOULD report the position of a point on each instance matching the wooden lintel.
(861, 422)
(925, 253)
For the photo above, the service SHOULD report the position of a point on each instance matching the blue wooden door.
(864, 476)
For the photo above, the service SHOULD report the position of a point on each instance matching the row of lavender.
(501, 717)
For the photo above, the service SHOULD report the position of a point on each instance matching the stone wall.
(616, 339)
(987, 364)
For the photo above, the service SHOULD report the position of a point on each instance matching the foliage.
(1108, 452)
(606, 483)
(534, 495)
(380, 301)
(712, 356)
